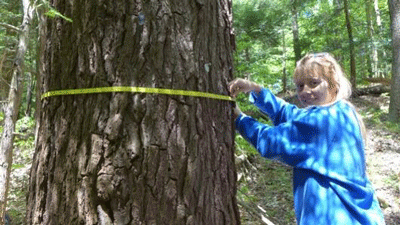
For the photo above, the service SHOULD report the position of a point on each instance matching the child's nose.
(306, 89)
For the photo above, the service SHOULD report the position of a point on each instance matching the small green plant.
(1, 121)
(17, 166)
(378, 117)
(52, 12)
(17, 206)
(393, 127)
(244, 193)
(243, 147)
(393, 180)
(25, 123)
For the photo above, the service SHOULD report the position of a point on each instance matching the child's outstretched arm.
(290, 143)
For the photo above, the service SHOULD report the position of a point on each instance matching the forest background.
(270, 37)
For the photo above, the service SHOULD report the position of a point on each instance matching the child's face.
(314, 90)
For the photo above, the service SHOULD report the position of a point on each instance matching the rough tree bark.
(394, 106)
(122, 158)
(11, 109)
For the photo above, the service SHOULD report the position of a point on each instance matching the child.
(324, 143)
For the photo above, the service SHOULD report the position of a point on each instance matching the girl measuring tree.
(324, 143)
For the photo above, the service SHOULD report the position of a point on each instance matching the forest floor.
(382, 154)
(265, 186)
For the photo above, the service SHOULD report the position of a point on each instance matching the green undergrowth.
(22, 159)
(379, 118)
(263, 184)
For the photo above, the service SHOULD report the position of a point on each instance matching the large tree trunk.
(123, 158)
(12, 108)
(394, 106)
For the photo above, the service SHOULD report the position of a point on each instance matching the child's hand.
(236, 112)
(241, 85)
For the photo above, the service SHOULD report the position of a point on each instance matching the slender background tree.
(351, 45)
(12, 108)
(394, 108)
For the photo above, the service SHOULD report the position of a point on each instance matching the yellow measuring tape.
(136, 90)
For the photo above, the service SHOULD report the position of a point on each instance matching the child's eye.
(314, 83)
(300, 86)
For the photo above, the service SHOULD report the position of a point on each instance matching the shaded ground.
(382, 154)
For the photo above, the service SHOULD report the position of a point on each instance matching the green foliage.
(269, 186)
(244, 194)
(259, 25)
(243, 147)
(323, 29)
(17, 213)
(10, 13)
(25, 125)
(394, 181)
(379, 117)
(393, 127)
(52, 13)
(22, 159)
(264, 29)
(17, 166)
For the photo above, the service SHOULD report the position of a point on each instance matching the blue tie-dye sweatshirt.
(324, 146)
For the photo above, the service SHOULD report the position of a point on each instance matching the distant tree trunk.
(295, 28)
(372, 65)
(29, 90)
(12, 108)
(375, 55)
(378, 15)
(351, 46)
(382, 68)
(284, 81)
(124, 158)
(394, 106)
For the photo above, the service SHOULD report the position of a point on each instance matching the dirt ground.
(382, 156)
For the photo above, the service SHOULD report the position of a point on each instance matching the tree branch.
(23, 136)
(11, 27)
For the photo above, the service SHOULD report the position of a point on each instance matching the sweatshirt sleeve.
(291, 143)
(276, 108)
